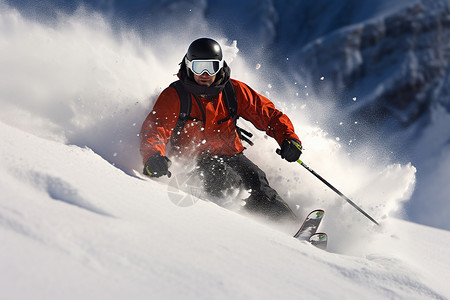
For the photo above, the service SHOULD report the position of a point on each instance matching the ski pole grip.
(278, 151)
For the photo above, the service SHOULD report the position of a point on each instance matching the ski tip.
(317, 214)
(319, 240)
(319, 209)
(319, 237)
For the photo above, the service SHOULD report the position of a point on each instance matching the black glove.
(157, 166)
(291, 150)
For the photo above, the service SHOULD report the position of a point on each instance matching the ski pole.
(334, 189)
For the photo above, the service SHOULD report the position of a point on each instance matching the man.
(210, 133)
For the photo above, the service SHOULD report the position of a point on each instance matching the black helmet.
(203, 55)
(204, 48)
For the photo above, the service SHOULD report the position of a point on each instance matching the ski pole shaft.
(334, 189)
(337, 191)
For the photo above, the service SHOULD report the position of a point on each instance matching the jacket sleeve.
(261, 112)
(159, 124)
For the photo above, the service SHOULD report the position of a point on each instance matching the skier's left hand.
(157, 166)
(291, 150)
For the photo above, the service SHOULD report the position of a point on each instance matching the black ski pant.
(223, 174)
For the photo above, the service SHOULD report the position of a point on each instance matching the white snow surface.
(77, 221)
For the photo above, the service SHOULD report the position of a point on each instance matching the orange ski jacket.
(202, 133)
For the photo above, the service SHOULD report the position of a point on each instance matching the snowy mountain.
(77, 220)
(390, 74)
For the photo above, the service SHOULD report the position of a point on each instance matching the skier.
(208, 131)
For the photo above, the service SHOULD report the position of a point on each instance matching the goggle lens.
(199, 67)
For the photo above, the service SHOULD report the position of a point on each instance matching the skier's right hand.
(157, 166)
(291, 150)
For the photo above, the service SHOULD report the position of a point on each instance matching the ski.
(310, 225)
(319, 240)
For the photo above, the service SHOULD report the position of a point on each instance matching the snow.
(78, 221)
(74, 226)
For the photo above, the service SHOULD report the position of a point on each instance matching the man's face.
(204, 79)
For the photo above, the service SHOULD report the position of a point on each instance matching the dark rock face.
(397, 65)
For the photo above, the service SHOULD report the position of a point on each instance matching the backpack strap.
(185, 110)
(231, 104)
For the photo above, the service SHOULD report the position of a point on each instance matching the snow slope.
(75, 227)
(76, 222)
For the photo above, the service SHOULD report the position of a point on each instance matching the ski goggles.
(210, 66)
